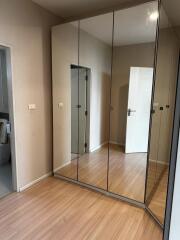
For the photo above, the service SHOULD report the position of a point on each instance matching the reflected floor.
(93, 168)
(151, 177)
(126, 171)
(69, 171)
(158, 201)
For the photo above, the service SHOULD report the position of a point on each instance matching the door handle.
(8, 128)
(130, 111)
(78, 106)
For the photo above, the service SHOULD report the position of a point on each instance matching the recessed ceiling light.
(154, 16)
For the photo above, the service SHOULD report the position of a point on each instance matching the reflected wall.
(65, 99)
(95, 50)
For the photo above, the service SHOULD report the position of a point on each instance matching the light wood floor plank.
(55, 210)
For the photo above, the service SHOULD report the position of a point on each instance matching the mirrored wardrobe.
(163, 106)
(113, 103)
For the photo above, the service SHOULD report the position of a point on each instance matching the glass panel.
(162, 119)
(65, 99)
(94, 97)
(132, 77)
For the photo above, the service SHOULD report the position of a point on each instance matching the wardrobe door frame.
(174, 144)
(173, 160)
(151, 113)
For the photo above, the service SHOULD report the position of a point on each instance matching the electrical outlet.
(32, 106)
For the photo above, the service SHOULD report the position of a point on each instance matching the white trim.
(98, 147)
(35, 181)
(160, 162)
(117, 143)
(58, 168)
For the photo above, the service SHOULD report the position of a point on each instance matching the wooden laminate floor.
(127, 172)
(55, 210)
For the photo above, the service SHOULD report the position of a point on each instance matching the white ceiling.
(74, 8)
(132, 25)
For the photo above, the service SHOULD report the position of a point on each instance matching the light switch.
(155, 104)
(60, 105)
(32, 106)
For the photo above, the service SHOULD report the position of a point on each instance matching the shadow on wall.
(119, 115)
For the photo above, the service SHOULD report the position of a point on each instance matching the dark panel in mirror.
(132, 76)
(95, 49)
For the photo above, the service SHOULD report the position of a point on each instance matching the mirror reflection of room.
(132, 78)
(162, 117)
(105, 144)
(114, 88)
(95, 49)
(65, 108)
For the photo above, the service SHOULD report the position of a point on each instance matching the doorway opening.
(138, 110)
(7, 175)
(80, 110)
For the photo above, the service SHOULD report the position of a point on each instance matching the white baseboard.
(58, 168)
(98, 147)
(35, 181)
(117, 143)
(159, 162)
(101, 145)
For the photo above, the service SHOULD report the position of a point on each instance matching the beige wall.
(25, 28)
(95, 55)
(140, 55)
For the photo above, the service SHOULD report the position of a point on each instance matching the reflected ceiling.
(132, 25)
(72, 8)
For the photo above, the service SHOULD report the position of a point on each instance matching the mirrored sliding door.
(162, 117)
(95, 51)
(65, 99)
(103, 69)
(131, 90)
